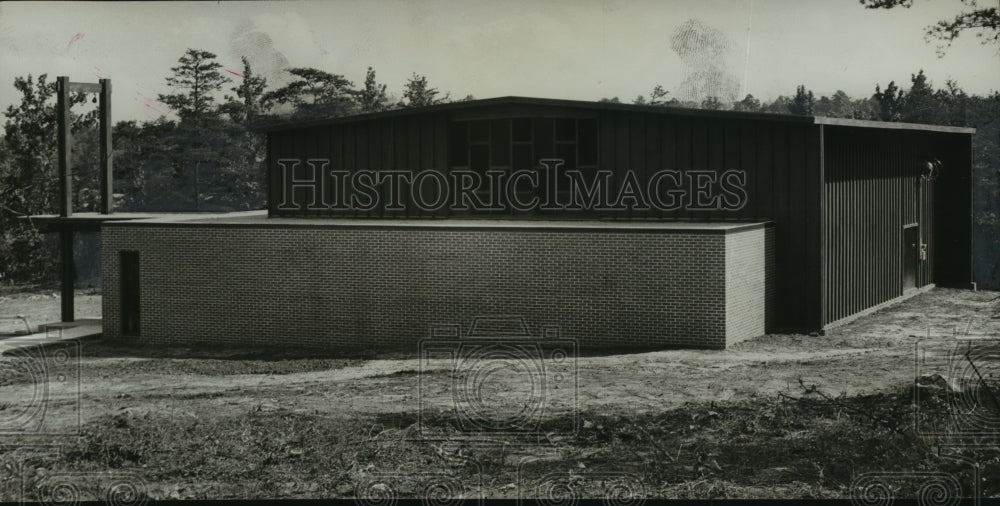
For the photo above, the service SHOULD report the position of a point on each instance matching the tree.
(840, 105)
(316, 93)
(837, 106)
(865, 108)
(889, 102)
(921, 104)
(712, 103)
(238, 181)
(658, 96)
(139, 162)
(29, 179)
(196, 78)
(748, 104)
(777, 106)
(984, 20)
(418, 93)
(372, 98)
(251, 100)
(956, 105)
(803, 104)
(189, 165)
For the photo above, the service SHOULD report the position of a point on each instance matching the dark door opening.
(911, 255)
(129, 292)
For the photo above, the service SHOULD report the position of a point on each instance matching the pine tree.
(373, 98)
(983, 19)
(889, 102)
(803, 104)
(418, 93)
(921, 105)
(316, 93)
(250, 101)
(196, 78)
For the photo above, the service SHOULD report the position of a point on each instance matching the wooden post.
(63, 124)
(68, 272)
(65, 197)
(107, 178)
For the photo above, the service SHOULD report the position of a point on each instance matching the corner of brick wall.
(770, 279)
(746, 285)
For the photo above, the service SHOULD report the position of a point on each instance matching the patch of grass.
(216, 367)
(405, 373)
(806, 446)
(123, 348)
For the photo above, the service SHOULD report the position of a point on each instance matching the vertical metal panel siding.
(871, 190)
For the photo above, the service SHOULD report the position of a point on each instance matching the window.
(513, 144)
(519, 143)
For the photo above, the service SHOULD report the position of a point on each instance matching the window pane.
(480, 131)
(544, 141)
(565, 129)
(480, 157)
(567, 153)
(588, 142)
(523, 159)
(458, 144)
(522, 129)
(500, 130)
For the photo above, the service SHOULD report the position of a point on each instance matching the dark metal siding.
(406, 143)
(872, 189)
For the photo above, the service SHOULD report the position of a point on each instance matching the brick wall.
(385, 287)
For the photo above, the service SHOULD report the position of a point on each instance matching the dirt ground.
(232, 401)
(41, 306)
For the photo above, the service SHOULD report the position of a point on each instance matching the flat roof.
(259, 219)
(892, 125)
(90, 220)
(608, 106)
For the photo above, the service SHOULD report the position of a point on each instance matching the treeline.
(210, 159)
(921, 103)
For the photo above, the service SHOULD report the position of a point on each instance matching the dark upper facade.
(863, 211)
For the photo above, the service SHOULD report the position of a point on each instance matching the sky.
(572, 49)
